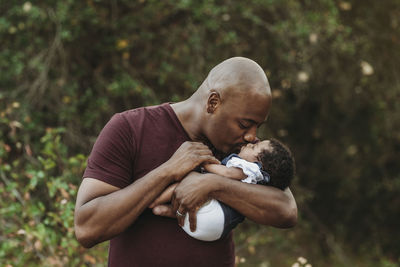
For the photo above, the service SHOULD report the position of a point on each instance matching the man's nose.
(251, 135)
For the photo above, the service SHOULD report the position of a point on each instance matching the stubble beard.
(217, 153)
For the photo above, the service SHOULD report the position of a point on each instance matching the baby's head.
(275, 158)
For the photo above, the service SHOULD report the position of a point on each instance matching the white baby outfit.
(211, 217)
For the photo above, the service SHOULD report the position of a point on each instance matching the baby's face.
(250, 151)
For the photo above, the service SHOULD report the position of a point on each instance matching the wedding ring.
(178, 214)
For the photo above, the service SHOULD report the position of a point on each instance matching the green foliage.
(38, 186)
(67, 66)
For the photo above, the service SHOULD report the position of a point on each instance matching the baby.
(268, 163)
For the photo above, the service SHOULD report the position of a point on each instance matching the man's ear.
(213, 102)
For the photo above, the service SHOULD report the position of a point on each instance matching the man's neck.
(189, 115)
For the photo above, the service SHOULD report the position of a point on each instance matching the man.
(140, 152)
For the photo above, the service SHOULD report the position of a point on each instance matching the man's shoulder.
(159, 118)
(147, 110)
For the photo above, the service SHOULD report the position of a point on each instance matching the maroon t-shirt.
(133, 143)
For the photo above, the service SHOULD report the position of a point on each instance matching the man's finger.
(164, 210)
(174, 203)
(212, 160)
(192, 220)
(181, 217)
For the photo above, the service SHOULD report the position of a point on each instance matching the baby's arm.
(232, 172)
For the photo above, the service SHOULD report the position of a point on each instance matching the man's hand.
(188, 156)
(191, 193)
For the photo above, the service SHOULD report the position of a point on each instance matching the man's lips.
(240, 146)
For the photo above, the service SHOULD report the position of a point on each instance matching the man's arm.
(261, 204)
(102, 211)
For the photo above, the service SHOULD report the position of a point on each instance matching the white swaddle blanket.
(210, 222)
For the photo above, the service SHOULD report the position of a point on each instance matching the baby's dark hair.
(278, 163)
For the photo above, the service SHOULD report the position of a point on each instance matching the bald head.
(238, 75)
(226, 110)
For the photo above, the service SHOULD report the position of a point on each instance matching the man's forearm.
(103, 211)
(262, 204)
(106, 216)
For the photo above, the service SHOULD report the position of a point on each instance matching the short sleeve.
(111, 159)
